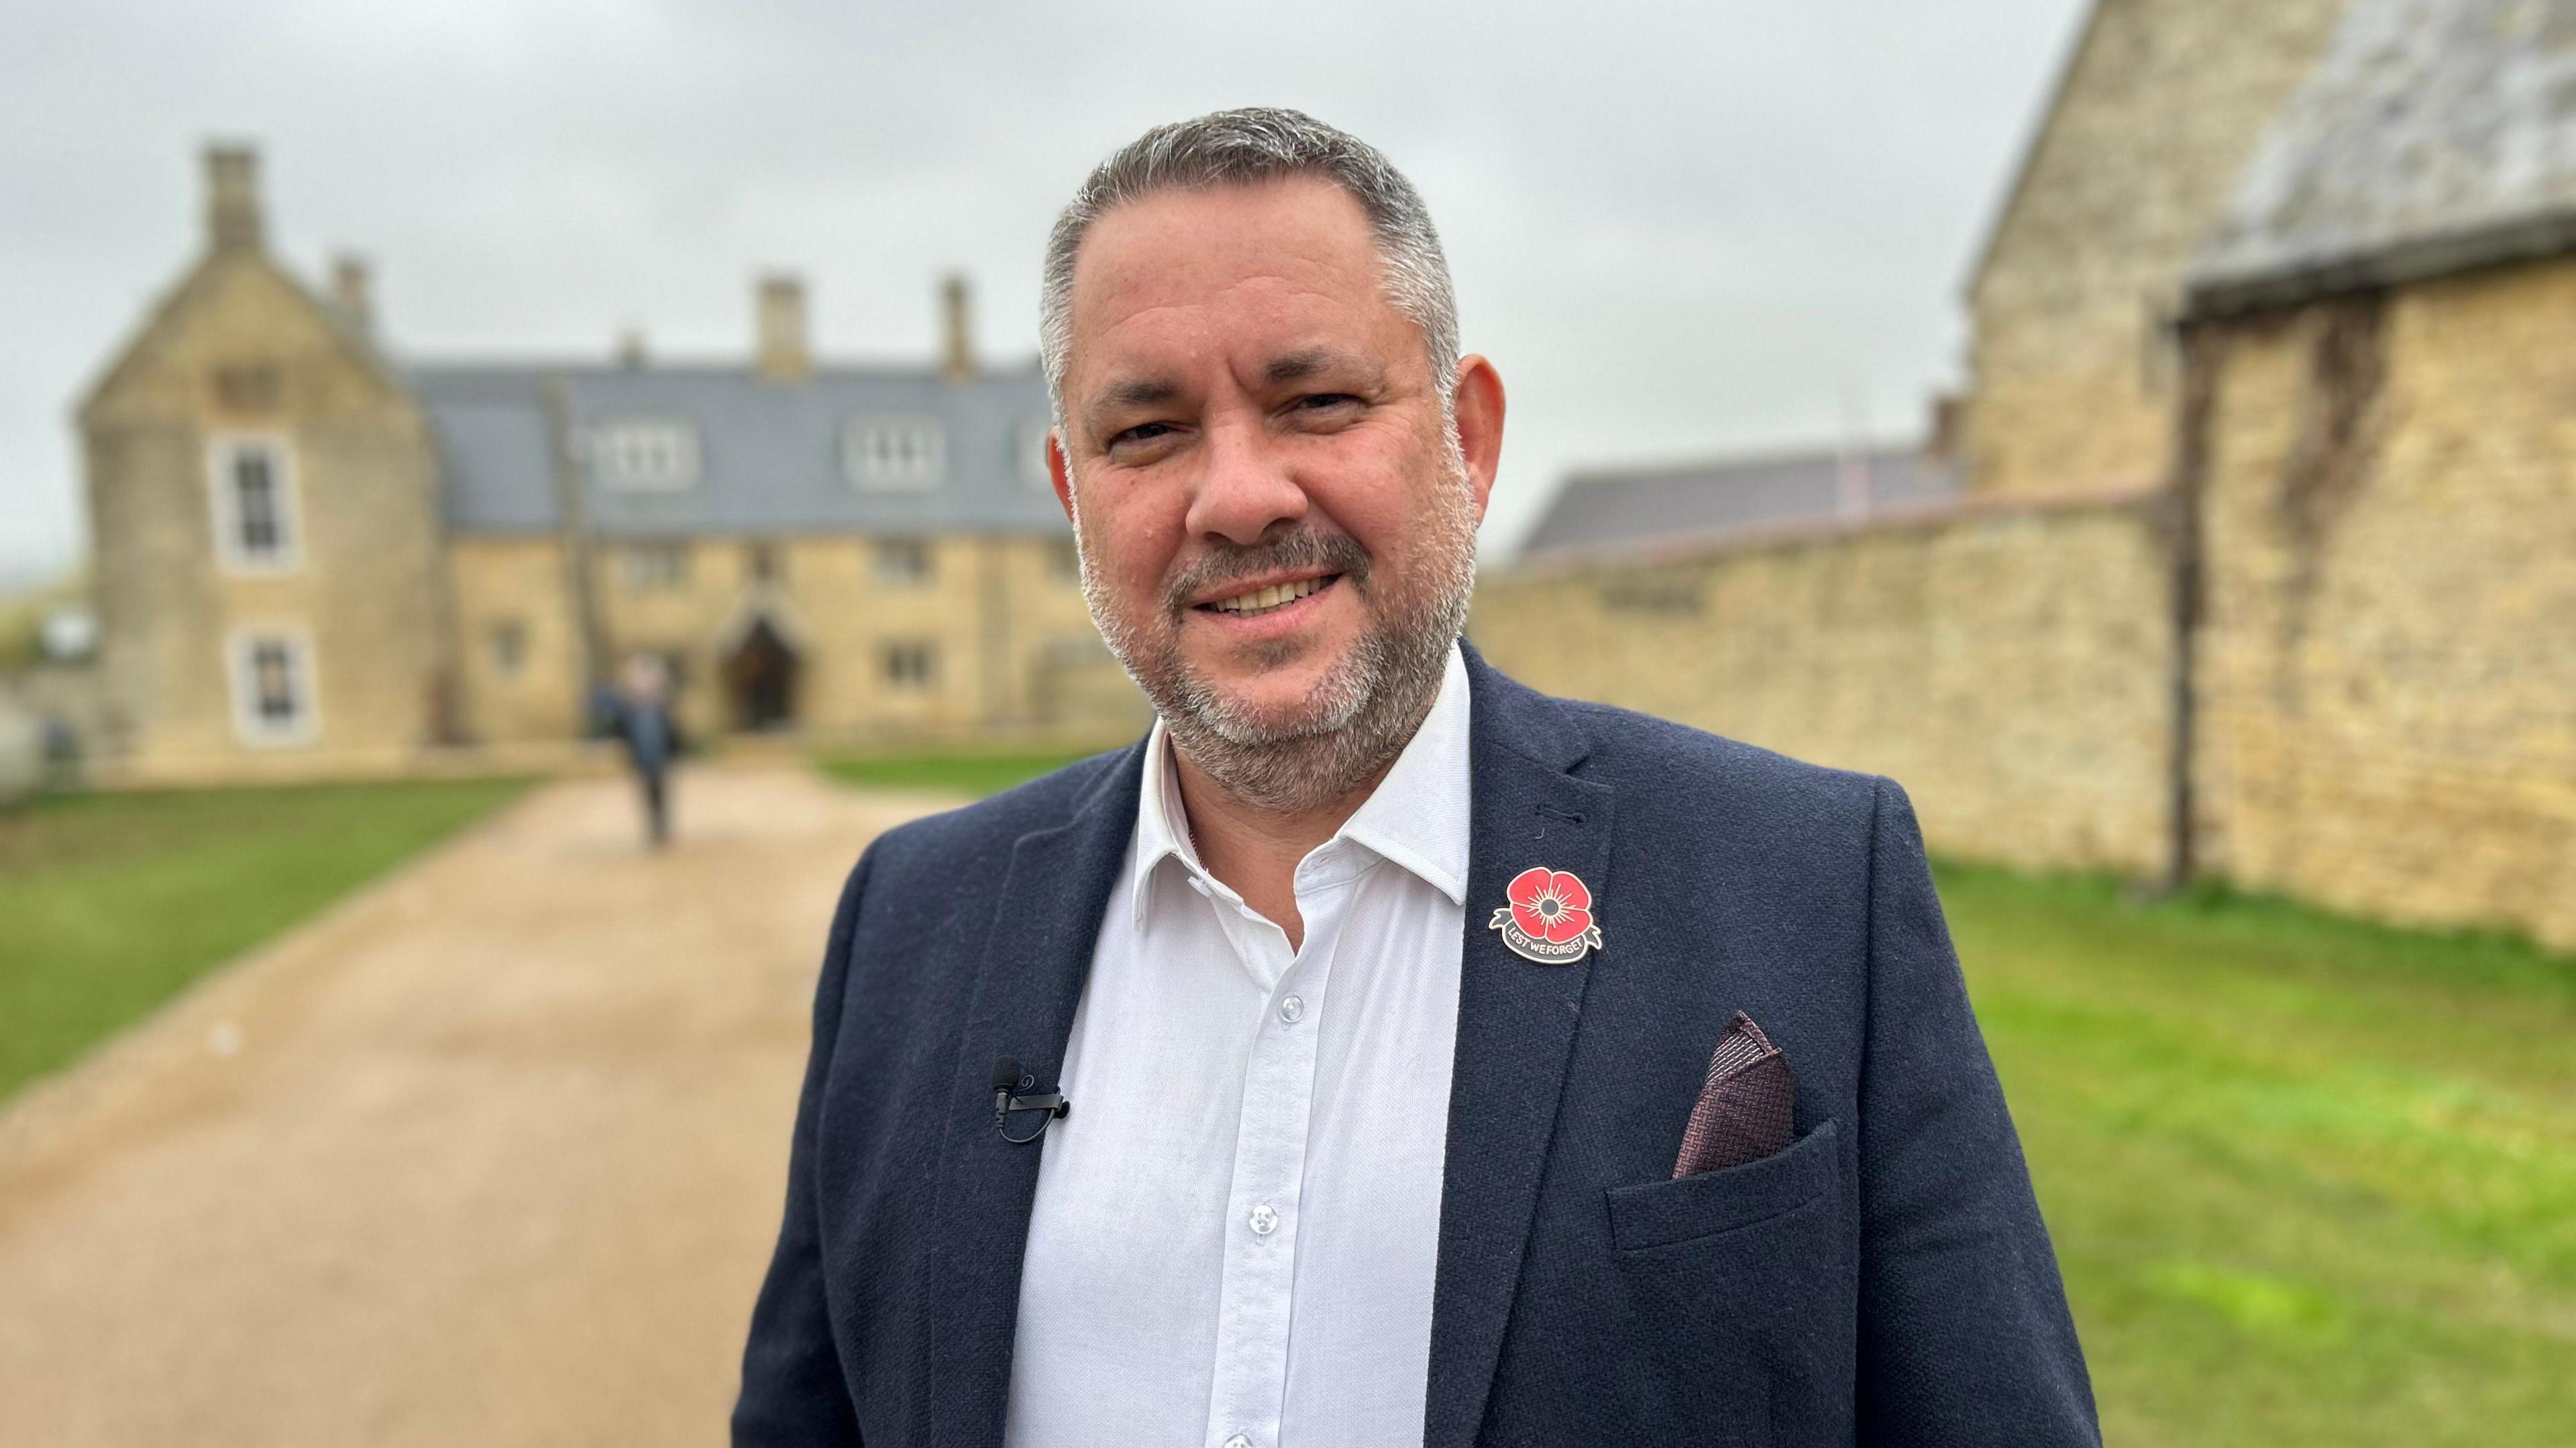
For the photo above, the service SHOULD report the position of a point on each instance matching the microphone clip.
(1008, 1082)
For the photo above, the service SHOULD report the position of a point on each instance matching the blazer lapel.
(1036, 956)
(1516, 1026)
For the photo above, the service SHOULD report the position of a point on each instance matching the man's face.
(1267, 490)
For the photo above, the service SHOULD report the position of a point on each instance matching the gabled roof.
(770, 452)
(2033, 141)
(1609, 510)
(184, 304)
(2435, 135)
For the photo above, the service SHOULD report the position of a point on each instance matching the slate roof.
(2434, 135)
(770, 453)
(1609, 510)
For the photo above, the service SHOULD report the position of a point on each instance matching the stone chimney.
(782, 354)
(957, 356)
(232, 197)
(353, 295)
(630, 349)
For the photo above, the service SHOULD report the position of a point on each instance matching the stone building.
(2080, 281)
(2377, 480)
(312, 555)
(2294, 606)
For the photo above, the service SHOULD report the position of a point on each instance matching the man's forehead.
(1276, 282)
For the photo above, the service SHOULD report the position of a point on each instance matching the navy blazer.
(1885, 1279)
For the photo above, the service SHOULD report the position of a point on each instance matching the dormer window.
(256, 524)
(647, 454)
(894, 453)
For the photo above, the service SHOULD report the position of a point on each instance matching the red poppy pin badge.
(1549, 919)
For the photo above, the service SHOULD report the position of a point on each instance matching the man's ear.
(1059, 472)
(1478, 402)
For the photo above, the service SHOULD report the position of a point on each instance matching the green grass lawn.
(2311, 1181)
(963, 773)
(110, 903)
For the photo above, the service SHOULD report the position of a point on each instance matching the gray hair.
(1244, 147)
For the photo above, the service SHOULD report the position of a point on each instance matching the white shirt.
(1235, 1230)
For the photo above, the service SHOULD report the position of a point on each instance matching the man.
(1395, 1007)
(640, 715)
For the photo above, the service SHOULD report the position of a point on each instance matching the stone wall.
(2383, 703)
(2161, 104)
(2008, 664)
(1010, 647)
(518, 646)
(2387, 672)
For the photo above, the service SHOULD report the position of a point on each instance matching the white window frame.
(225, 500)
(870, 464)
(241, 669)
(619, 448)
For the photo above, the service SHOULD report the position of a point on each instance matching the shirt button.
(1264, 1220)
(1292, 1010)
(1238, 1441)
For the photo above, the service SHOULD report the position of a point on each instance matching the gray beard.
(1358, 717)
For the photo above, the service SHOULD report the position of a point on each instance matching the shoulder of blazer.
(1627, 747)
(1621, 747)
(1691, 790)
(1700, 792)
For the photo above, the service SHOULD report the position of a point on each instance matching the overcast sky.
(1679, 230)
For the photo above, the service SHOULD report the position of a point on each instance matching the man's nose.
(1246, 487)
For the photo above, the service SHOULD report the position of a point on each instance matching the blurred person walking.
(640, 717)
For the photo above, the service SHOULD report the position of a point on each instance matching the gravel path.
(490, 1154)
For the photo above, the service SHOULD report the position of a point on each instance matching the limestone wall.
(2384, 684)
(1009, 643)
(2387, 672)
(2009, 666)
(2161, 105)
(518, 645)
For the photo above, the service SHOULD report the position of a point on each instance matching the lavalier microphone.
(1008, 1081)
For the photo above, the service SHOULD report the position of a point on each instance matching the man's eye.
(1141, 432)
(1326, 401)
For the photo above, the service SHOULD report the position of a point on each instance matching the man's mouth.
(1276, 596)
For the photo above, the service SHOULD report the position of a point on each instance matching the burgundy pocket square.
(1746, 1105)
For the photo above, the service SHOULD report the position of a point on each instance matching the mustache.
(1233, 562)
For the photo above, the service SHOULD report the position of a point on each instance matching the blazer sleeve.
(792, 1388)
(1964, 1334)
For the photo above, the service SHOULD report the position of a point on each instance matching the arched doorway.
(760, 678)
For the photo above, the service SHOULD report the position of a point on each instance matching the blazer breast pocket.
(1709, 1204)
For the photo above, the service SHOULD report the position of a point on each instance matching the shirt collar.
(1417, 817)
